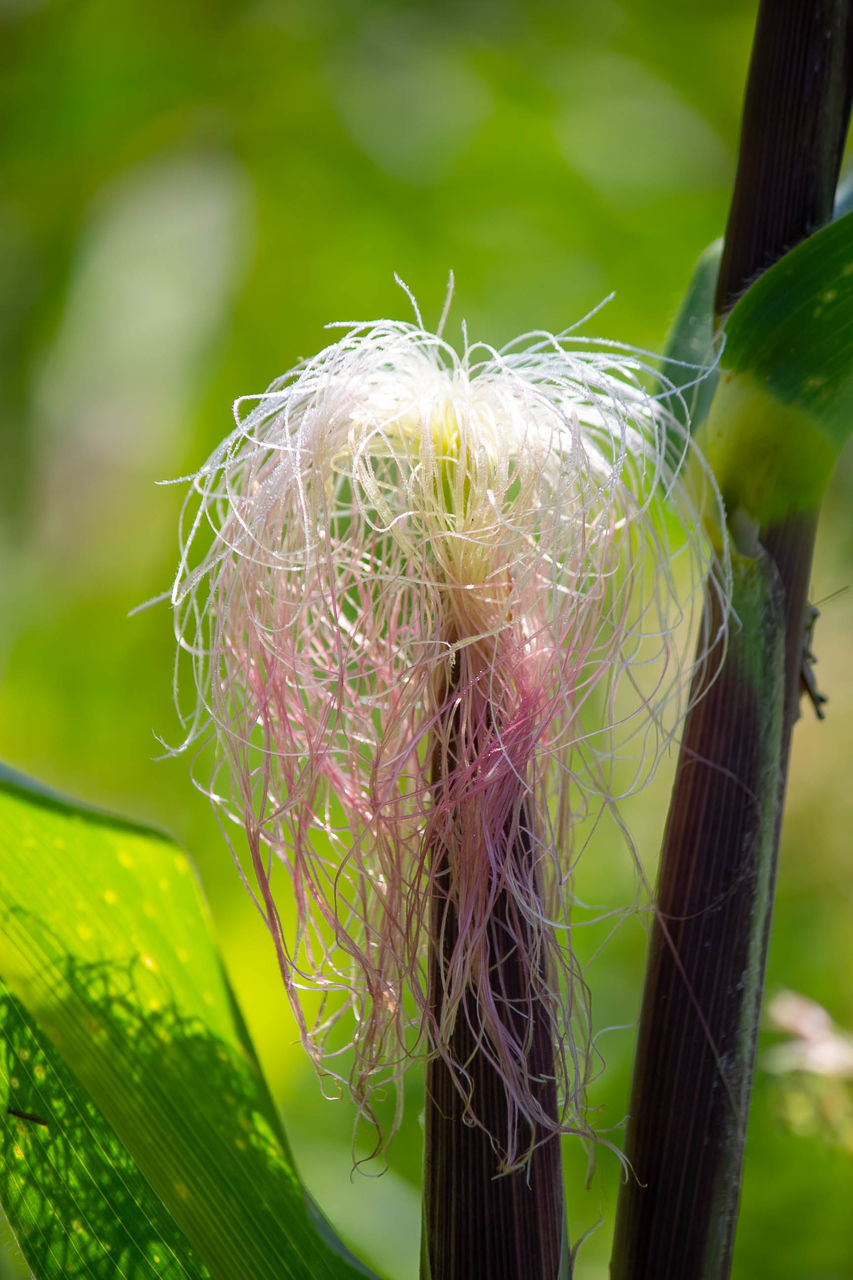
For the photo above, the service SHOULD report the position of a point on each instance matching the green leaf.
(793, 329)
(691, 344)
(106, 947)
(844, 194)
(784, 404)
(74, 1196)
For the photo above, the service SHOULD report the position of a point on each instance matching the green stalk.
(695, 1056)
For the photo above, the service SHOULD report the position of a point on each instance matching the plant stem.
(694, 1061)
(696, 1046)
(795, 116)
(480, 1224)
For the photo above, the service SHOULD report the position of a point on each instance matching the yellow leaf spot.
(19, 1155)
(84, 932)
(148, 910)
(110, 897)
(125, 858)
(208, 999)
(164, 884)
(182, 954)
(149, 962)
(181, 864)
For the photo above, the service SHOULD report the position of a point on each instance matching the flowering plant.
(423, 567)
(431, 600)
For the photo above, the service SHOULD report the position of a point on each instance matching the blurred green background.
(190, 191)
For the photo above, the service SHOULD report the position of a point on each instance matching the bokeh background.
(190, 190)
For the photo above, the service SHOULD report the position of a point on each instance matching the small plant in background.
(814, 1068)
(429, 600)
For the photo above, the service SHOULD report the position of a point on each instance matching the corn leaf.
(784, 404)
(140, 1138)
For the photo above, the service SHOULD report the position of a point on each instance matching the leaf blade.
(61, 1167)
(106, 942)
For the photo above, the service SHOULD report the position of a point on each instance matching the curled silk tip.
(429, 600)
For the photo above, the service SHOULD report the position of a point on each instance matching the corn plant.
(429, 600)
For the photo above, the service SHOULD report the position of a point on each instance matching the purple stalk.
(481, 1221)
(695, 1056)
(694, 1060)
(476, 1223)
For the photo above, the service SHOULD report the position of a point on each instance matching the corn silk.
(437, 602)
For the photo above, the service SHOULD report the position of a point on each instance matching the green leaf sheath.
(115, 988)
(695, 1054)
(784, 404)
(774, 414)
